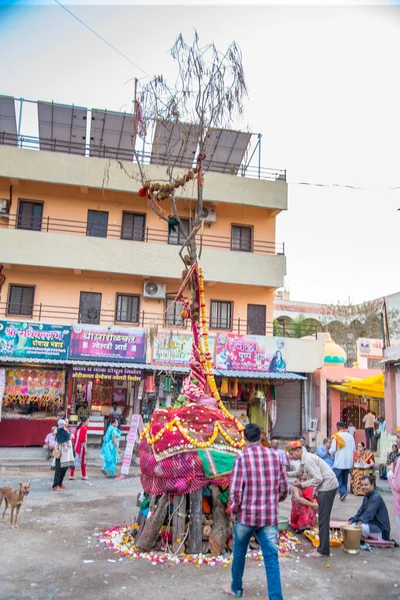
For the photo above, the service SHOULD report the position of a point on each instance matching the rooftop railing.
(144, 157)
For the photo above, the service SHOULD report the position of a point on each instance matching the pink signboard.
(250, 353)
(114, 343)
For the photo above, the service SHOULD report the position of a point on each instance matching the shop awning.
(31, 361)
(371, 386)
(260, 375)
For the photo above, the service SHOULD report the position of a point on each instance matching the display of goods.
(335, 537)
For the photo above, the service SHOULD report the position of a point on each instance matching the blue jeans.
(342, 476)
(267, 538)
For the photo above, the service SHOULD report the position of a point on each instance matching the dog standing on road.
(14, 497)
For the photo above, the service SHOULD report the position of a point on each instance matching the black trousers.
(59, 474)
(369, 432)
(325, 503)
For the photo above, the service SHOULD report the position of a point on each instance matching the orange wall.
(61, 288)
(72, 203)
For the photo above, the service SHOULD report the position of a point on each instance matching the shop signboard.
(250, 353)
(106, 373)
(371, 348)
(114, 343)
(20, 339)
(175, 349)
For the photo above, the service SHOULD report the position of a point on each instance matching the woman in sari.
(80, 449)
(110, 450)
(363, 465)
(304, 508)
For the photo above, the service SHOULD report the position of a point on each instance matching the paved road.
(44, 558)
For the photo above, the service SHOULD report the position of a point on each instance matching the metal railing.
(102, 151)
(70, 315)
(140, 234)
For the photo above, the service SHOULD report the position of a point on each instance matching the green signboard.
(33, 340)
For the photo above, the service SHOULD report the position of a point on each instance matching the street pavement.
(45, 558)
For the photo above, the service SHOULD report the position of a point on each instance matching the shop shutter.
(288, 422)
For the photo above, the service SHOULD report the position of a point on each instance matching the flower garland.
(206, 357)
(175, 424)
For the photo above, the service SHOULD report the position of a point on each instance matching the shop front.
(33, 381)
(107, 368)
(254, 384)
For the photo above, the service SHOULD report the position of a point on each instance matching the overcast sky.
(324, 92)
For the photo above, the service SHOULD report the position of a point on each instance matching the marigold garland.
(206, 361)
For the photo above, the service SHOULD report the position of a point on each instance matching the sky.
(324, 92)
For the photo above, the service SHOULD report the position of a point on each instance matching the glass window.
(97, 223)
(133, 226)
(90, 308)
(242, 238)
(30, 215)
(172, 315)
(175, 237)
(221, 315)
(127, 308)
(20, 300)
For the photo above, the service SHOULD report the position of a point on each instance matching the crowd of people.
(263, 475)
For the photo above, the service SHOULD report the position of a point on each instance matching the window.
(256, 319)
(175, 237)
(20, 300)
(127, 308)
(90, 308)
(242, 238)
(133, 226)
(97, 223)
(30, 215)
(221, 315)
(172, 316)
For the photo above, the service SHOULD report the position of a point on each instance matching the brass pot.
(351, 538)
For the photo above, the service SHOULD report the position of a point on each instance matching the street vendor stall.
(33, 399)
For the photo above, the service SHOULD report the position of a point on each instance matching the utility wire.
(343, 185)
(101, 38)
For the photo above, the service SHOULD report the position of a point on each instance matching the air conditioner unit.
(312, 424)
(4, 207)
(209, 214)
(152, 289)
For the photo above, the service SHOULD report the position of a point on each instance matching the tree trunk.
(196, 523)
(178, 522)
(220, 528)
(151, 531)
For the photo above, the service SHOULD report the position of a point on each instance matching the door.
(133, 226)
(90, 308)
(30, 215)
(288, 421)
(97, 223)
(256, 319)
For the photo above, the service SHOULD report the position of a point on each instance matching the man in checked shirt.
(258, 484)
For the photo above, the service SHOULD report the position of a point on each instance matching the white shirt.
(344, 456)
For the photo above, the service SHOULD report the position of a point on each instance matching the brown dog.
(14, 497)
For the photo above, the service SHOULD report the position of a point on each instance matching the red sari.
(302, 517)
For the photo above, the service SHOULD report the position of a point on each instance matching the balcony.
(65, 244)
(71, 315)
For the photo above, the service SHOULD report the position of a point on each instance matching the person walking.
(343, 448)
(258, 484)
(80, 449)
(369, 422)
(393, 475)
(324, 480)
(64, 455)
(110, 449)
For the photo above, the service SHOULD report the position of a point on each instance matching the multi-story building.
(81, 248)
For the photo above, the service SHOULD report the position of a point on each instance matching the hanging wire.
(101, 38)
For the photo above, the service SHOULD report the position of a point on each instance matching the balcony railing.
(71, 315)
(102, 151)
(141, 234)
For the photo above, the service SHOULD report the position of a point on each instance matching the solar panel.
(8, 123)
(62, 128)
(112, 135)
(174, 144)
(225, 150)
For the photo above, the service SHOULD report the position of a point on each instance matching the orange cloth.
(340, 443)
